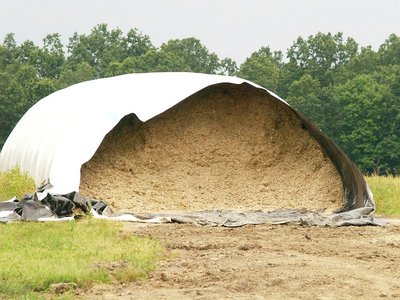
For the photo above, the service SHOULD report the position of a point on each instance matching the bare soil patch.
(266, 262)
(225, 147)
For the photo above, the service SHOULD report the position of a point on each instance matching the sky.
(230, 28)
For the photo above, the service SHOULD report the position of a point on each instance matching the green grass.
(15, 183)
(386, 190)
(35, 255)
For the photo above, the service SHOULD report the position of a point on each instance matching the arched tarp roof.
(63, 130)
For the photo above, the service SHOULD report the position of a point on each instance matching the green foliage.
(320, 56)
(389, 51)
(366, 62)
(103, 47)
(195, 56)
(35, 255)
(52, 57)
(263, 67)
(359, 100)
(75, 74)
(15, 183)
(227, 66)
(352, 94)
(386, 190)
(153, 61)
(304, 95)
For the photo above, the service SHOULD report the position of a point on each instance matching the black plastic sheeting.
(43, 206)
(52, 207)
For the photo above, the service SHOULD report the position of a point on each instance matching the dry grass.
(386, 190)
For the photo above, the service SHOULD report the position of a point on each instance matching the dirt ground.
(266, 262)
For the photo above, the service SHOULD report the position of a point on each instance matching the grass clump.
(35, 255)
(15, 183)
(386, 190)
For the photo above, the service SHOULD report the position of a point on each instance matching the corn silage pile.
(225, 147)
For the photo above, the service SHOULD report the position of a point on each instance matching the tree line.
(352, 93)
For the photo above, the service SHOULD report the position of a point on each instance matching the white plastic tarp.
(63, 130)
